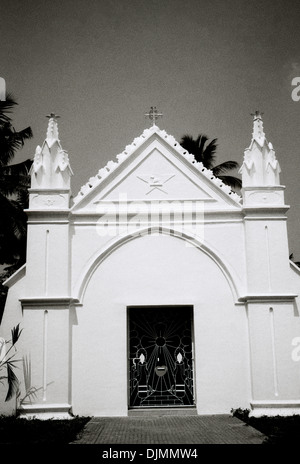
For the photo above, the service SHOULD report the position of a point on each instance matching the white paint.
(45, 345)
(268, 257)
(180, 237)
(273, 352)
(296, 350)
(46, 261)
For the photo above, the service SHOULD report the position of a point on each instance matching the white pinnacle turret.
(52, 130)
(260, 167)
(51, 167)
(258, 129)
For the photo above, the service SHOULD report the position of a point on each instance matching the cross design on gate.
(153, 114)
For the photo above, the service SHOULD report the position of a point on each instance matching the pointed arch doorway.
(160, 357)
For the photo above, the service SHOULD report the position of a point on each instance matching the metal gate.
(161, 356)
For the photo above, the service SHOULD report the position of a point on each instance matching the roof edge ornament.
(93, 182)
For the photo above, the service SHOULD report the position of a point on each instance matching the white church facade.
(156, 286)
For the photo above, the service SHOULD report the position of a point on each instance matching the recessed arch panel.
(116, 243)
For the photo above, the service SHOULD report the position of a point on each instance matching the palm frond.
(13, 361)
(13, 185)
(2, 350)
(188, 143)
(27, 372)
(23, 198)
(201, 141)
(11, 269)
(6, 106)
(224, 167)
(11, 210)
(18, 138)
(13, 383)
(10, 141)
(209, 154)
(15, 333)
(19, 169)
(205, 152)
(233, 182)
(31, 393)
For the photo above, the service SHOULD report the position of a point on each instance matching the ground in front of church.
(164, 429)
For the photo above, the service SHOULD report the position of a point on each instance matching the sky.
(206, 65)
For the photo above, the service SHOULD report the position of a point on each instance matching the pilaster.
(270, 296)
(264, 211)
(47, 266)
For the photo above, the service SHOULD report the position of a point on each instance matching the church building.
(156, 286)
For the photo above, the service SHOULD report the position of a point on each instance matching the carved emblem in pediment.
(156, 182)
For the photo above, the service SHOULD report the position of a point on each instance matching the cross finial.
(52, 116)
(153, 114)
(257, 114)
(258, 130)
(52, 131)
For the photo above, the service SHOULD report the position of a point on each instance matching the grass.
(16, 431)
(278, 430)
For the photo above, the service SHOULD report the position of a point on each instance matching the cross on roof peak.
(153, 115)
(52, 130)
(52, 116)
(257, 114)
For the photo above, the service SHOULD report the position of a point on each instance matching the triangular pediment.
(155, 167)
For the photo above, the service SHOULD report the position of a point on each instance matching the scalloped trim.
(93, 182)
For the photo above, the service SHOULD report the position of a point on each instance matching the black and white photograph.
(149, 225)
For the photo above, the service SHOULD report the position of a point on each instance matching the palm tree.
(205, 153)
(14, 183)
(8, 362)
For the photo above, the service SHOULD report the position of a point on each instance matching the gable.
(152, 168)
(155, 177)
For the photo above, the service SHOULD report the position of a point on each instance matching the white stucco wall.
(79, 283)
(158, 270)
(46, 346)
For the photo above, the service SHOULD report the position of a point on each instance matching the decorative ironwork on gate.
(161, 358)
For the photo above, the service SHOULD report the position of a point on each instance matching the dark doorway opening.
(160, 356)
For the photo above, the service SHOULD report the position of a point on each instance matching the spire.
(52, 130)
(153, 115)
(51, 168)
(260, 167)
(258, 129)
